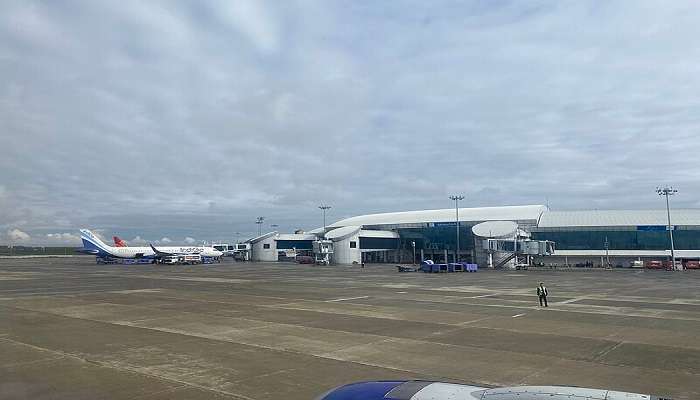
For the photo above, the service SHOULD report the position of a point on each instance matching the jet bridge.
(323, 249)
(242, 251)
(518, 250)
(509, 246)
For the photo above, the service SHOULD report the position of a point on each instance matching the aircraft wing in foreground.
(423, 390)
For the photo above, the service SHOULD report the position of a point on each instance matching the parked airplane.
(118, 242)
(423, 390)
(93, 245)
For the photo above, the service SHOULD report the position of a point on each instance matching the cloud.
(170, 119)
(15, 235)
(252, 19)
(189, 240)
(63, 238)
(138, 241)
(164, 240)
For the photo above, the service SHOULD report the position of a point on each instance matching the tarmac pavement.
(70, 329)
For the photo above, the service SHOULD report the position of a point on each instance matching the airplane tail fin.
(118, 242)
(88, 235)
(92, 244)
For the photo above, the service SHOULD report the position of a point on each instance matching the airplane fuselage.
(93, 245)
(426, 390)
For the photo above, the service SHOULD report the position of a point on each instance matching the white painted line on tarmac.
(575, 299)
(474, 320)
(483, 295)
(347, 298)
(518, 315)
(401, 292)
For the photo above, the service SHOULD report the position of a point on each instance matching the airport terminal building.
(579, 237)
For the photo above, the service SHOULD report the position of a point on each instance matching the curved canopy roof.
(479, 214)
(316, 231)
(494, 229)
(341, 233)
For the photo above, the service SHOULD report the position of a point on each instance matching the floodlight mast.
(456, 199)
(669, 191)
(324, 207)
(259, 221)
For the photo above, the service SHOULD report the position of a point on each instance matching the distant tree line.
(37, 250)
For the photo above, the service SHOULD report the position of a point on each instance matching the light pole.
(669, 191)
(259, 221)
(607, 253)
(413, 244)
(456, 199)
(324, 208)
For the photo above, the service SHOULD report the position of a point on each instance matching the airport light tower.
(324, 208)
(669, 191)
(259, 221)
(456, 199)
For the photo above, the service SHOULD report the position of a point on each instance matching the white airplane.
(93, 245)
(426, 390)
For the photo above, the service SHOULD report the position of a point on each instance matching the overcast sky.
(180, 119)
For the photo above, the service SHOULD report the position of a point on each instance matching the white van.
(170, 260)
(191, 259)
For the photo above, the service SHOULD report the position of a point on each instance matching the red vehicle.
(653, 264)
(668, 265)
(305, 260)
(692, 264)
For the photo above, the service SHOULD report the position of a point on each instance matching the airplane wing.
(160, 253)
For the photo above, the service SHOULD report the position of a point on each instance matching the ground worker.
(542, 294)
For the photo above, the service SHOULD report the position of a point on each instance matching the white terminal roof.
(295, 236)
(379, 234)
(555, 219)
(342, 233)
(479, 214)
(261, 237)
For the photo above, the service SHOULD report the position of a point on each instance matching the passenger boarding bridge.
(508, 246)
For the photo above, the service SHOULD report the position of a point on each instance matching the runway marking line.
(575, 299)
(347, 298)
(518, 315)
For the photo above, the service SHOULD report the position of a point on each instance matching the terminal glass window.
(266, 245)
(295, 244)
(378, 243)
(620, 240)
(353, 244)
